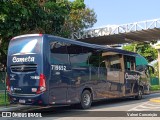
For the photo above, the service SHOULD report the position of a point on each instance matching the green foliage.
(80, 18)
(146, 50)
(57, 17)
(155, 87)
(78, 4)
(97, 59)
(2, 99)
(156, 70)
(129, 47)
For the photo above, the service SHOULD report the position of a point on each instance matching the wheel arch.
(90, 90)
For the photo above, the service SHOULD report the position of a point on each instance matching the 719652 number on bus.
(58, 67)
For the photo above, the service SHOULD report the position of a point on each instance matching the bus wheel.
(86, 100)
(140, 95)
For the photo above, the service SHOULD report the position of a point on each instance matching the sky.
(116, 12)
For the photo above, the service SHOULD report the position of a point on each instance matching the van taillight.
(8, 84)
(42, 84)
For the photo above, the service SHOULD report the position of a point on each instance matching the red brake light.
(8, 84)
(42, 84)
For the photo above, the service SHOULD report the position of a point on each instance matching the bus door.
(132, 77)
(97, 75)
(115, 80)
(145, 73)
(59, 73)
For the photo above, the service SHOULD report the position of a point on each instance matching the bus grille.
(24, 68)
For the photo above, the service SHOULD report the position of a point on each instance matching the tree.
(80, 18)
(57, 17)
(145, 49)
(17, 17)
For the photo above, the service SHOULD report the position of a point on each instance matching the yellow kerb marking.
(155, 100)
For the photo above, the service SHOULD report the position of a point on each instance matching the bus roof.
(104, 48)
(70, 41)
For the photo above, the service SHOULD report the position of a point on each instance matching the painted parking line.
(146, 106)
(154, 105)
(137, 108)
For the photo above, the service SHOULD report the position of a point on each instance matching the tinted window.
(96, 59)
(129, 62)
(59, 54)
(79, 55)
(113, 62)
(26, 45)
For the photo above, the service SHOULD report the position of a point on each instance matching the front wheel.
(140, 95)
(86, 99)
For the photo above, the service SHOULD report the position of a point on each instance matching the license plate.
(22, 101)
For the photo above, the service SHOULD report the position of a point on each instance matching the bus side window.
(132, 65)
(58, 54)
(128, 67)
(113, 62)
(129, 63)
(78, 56)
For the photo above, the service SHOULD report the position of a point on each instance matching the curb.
(20, 108)
(155, 100)
(152, 92)
(14, 108)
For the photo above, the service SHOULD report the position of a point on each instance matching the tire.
(86, 100)
(140, 95)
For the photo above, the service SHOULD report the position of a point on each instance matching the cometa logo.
(131, 77)
(26, 59)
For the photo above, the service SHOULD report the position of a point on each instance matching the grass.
(2, 100)
(2, 85)
(155, 87)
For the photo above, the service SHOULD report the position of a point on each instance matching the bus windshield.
(25, 45)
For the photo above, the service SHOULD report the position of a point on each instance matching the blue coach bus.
(49, 70)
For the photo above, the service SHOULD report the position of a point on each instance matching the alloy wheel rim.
(86, 99)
